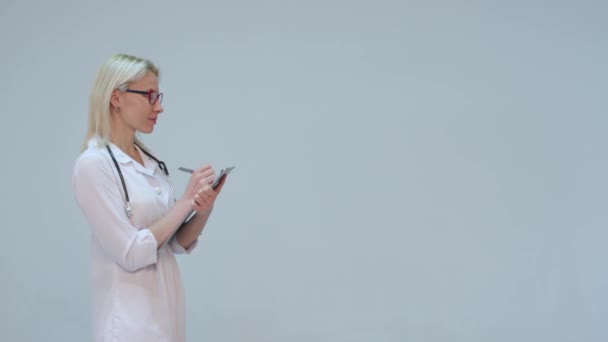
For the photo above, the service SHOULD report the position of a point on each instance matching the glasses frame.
(148, 93)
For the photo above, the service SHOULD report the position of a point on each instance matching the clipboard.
(223, 173)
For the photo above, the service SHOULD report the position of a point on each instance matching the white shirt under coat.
(137, 292)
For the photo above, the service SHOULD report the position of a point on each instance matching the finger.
(209, 177)
(202, 189)
(203, 169)
(210, 195)
(195, 204)
(205, 204)
(202, 204)
(206, 196)
(196, 182)
(197, 199)
(208, 173)
(205, 180)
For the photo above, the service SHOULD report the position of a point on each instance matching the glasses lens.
(153, 96)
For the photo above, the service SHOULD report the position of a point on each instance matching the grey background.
(406, 170)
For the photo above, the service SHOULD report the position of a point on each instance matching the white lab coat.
(137, 293)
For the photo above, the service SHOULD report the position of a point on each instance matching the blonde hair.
(115, 73)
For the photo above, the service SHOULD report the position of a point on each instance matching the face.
(135, 111)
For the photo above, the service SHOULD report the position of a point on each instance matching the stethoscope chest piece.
(128, 210)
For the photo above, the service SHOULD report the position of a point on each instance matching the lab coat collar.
(150, 164)
(148, 168)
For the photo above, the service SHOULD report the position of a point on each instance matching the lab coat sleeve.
(178, 249)
(100, 198)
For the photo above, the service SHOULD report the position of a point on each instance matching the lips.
(153, 120)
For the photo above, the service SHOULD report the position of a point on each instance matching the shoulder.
(93, 159)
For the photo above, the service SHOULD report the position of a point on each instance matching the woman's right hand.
(200, 183)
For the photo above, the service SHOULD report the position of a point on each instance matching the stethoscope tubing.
(161, 165)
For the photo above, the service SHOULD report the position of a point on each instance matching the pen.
(185, 169)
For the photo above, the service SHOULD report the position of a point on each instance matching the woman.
(127, 198)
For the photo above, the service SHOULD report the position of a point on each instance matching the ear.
(115, 99)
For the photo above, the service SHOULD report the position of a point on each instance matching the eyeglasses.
(152, 94)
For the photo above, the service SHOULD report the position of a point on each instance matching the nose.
(158, 107)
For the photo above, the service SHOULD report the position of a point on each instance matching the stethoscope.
(161, 165)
